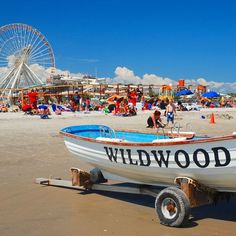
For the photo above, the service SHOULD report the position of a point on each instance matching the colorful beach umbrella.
(184, 92)
(114, 98)
(211, 94)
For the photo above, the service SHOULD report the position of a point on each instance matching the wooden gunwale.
(190, 141)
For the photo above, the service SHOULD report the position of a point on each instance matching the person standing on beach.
(33, 98)
(170, 110)
(76, 99)
(87, 101)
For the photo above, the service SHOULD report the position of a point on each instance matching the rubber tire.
(96, 176)
(182, 204)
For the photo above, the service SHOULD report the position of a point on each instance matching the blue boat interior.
(102, 131)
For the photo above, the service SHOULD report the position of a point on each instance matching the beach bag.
(44, 116)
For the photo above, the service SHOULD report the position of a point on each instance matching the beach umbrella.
(184, 92)
(211, 94)
(113, 97)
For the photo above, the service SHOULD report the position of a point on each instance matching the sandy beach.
(31, 147)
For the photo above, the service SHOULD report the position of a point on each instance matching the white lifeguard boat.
(153, 159)
(202, 167)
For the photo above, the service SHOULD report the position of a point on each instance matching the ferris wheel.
(26, 57)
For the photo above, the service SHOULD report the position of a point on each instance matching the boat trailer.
(172, 205)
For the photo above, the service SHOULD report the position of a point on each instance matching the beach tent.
(211, 94)
(184, 92)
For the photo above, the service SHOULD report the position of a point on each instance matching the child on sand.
(170, 110)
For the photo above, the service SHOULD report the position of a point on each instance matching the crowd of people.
(31, 106)
(212, 104)
(125, 105)
(119, 105)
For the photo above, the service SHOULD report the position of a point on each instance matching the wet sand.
(31, 147)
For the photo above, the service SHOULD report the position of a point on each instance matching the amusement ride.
(26, 58)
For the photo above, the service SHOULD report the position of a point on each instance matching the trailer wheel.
(172, 207)
(96, 176)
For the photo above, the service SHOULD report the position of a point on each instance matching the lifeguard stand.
(201, 89)
(166, 91)
(181, 85)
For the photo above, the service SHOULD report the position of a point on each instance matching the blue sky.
(182, 39)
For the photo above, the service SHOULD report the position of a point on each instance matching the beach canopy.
(114, 97)
(211, 94)
(184, 92)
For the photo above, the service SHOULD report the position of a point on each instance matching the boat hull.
(212, 162)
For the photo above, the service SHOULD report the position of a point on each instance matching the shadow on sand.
(222, 211)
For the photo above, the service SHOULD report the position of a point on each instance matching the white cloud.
(222, 87)
(40, 71)
(125, 76)
(201, 81)
(155, 79)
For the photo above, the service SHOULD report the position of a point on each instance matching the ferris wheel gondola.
(26, 58)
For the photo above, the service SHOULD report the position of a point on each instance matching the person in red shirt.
(27, 108)
(133, 96)
(33, 98)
